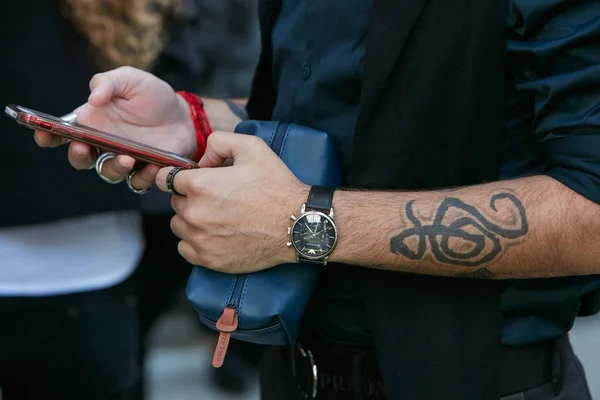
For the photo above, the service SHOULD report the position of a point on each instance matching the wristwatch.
(314, 233)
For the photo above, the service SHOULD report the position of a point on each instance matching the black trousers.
(70, 347)
(355, 376)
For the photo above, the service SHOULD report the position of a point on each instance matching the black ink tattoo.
(439, 234)
(481, 273)
(237, 110)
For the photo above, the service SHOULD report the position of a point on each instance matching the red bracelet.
(201, 124)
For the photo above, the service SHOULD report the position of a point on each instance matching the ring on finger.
(171, 179)
(97, 153)
(100, 162)
(130, 186)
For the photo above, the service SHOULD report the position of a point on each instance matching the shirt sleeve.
(554, 53)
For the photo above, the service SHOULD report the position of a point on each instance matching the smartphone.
(104, 141)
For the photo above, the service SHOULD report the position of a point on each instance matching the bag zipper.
(279, 136)
(228, 322)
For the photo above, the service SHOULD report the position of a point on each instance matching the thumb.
(224, 145)
(102, 89)
(120, 82)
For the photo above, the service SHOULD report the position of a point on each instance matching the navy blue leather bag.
(266, 307)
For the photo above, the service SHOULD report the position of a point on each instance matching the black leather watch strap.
(320, 198)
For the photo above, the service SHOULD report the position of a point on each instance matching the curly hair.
(123, 32)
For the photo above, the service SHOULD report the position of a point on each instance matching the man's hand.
(133, 104)
(234, 218)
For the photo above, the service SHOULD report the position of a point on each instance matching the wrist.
(292, 206)
(200, 119)
(366, 221)
(342, 205)
(221, 115)
(354, 210)
(238, 108)
(310, 235)
(191, 142)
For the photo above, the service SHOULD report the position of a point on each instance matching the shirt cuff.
(574, 161)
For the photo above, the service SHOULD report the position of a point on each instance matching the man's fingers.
(224, 145)
(178, 204)
(145, 177)
(187, 252)
(102, 90)
(45, 139)
(179, 227)
(120, 82)
(116, 169)
(180, 181)
(81, 156)
(183, 231)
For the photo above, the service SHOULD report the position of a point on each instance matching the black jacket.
(430, 117)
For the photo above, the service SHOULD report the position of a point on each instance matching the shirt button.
(306, 71)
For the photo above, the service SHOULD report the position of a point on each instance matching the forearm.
(224, 114)
(524, 228)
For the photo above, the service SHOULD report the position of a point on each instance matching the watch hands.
(313, 233)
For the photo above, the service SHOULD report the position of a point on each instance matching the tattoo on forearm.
(460, 234)
(237, 110)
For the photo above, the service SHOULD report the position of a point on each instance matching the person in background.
(68, 245)
(182, 42)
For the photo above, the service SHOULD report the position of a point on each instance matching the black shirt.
(553, 70)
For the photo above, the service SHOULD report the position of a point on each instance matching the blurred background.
(209, 47)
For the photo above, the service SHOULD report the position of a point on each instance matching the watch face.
(314, 235)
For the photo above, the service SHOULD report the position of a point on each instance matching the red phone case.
(106, 142)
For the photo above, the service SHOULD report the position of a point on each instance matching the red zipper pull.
(226, 324)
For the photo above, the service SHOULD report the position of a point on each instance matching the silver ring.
(100, 162)
(130, 186)
(171, 178)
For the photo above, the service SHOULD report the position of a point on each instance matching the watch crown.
(293, 217)
(289, 230)
(289, 244)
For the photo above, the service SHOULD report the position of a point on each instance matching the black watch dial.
(314, 235)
